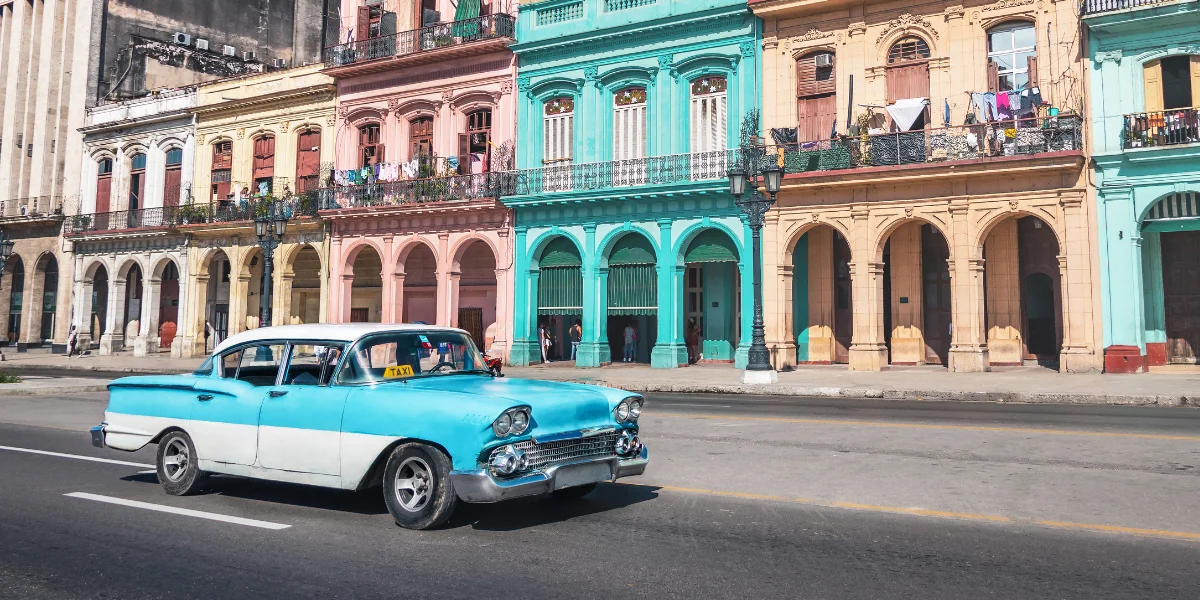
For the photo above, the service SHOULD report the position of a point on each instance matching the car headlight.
(635, 409)
(622, 412)
(520, 421)
(503, 425)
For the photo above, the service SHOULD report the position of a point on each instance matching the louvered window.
(558, 130)
(629, 136)
(816, 100)
(709, 131)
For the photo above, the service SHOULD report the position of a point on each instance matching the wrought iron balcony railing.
(1163, 128)
(169, 217)
(31, 207)
(427, 38)
(1020, 137)
(1091, 7)
(652, 170)
(417, 191)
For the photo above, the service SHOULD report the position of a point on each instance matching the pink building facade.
(423, 143)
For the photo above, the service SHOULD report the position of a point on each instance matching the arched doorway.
(132, 319)
(712, 297)
(216, 300)
(306, 287)
(168, 304)
(1022, 293)
(559, 295)
(366, 290)
(255, 289)
(47, 284)
(14, 279)
(419, 266)
(632, 320)
(822, 308)
(916, 295)
(98, 319)
(1181, 295)
(476, 266)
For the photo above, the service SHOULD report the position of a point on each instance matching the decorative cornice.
(813, 34)
(664, 60)
(859, 28)
(506, 87)
(523, 85)
(1003, 4)
(746, 48)
(954, 12)
(905, 21)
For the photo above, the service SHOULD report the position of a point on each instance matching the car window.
(312, 364)
(404, 355)
(256, 365)
(205, 367)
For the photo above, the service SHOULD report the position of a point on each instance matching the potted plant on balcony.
(81, 222)
(191, 213)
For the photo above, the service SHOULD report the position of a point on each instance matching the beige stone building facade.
(261, 142)
(919, 223)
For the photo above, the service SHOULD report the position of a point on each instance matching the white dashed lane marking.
(179, 511)
(78, 457)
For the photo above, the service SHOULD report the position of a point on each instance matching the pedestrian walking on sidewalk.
(576, 337)
(72, 342)
(543, 342)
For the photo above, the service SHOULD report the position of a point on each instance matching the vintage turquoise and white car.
(411, 408)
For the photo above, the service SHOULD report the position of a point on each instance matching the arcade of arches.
(967, 286)
(34, 293)
(129, 301)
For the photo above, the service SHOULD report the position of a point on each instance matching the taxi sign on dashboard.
(396, 371)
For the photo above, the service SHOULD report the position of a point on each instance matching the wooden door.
(816, 117)
(103, 193)
(908, 81)
(1181, 295)
(360, 315)
(471, 320)
(171, 186)
(264, 157)
(935, 295)
(308, 161)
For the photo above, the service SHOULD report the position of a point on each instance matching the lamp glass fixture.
(772, 177)
(6, 247)
(260, 227)
(737, 181)
(280, 224)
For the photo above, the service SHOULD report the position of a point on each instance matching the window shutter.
(1033, 71)
(464, 153)
(363, 29)
(1195, 63)
(379, 154)
(993, 75)
(811, 81)
(387, 24)
(1152, 76)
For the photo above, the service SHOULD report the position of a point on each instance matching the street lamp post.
(755, 206)
(269, 227)
(6, 248)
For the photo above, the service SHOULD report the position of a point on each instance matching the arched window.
(908, 79)
(473, 148)
(137, 181)
(173, 178)
(308, 160)
(370, 150)
(558, 130)
(816, 99)
(629, 124)
(264, 165)
(708, 122)
(1012, 57)
(222, 165)
(104, 169)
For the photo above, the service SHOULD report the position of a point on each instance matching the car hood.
(557, 406)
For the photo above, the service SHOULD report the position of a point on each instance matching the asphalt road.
(745, 497)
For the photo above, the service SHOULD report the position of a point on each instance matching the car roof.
(340, 332)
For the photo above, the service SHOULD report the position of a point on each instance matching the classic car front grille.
(541, 456)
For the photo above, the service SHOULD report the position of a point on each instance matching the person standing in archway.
(692, 340)
(72, 342)
(543, 341)
(576, 336)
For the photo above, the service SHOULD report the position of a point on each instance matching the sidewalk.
(1169, 387)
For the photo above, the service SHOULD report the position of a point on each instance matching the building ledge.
(1067, 160)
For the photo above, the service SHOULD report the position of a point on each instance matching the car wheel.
(573, 493)
(417, 486)
(178, 467)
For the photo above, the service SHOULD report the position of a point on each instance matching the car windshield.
(411, 354)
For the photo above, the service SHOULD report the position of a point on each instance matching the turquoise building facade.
(627, 110)
(1144, 95)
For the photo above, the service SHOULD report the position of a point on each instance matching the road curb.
(54, 391)
(8, 366)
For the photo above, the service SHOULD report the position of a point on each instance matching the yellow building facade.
(924, 219)
(263, 143)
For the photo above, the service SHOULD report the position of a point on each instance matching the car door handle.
(277, 393)
(204, 397)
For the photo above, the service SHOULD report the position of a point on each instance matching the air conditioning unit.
(278, 63)
(247, 55)
(181, 38)
(824, 60)
(201, 44)
(228, 50)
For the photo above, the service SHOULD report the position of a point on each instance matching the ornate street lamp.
(6, 248)
(755, 206)
(269, 227)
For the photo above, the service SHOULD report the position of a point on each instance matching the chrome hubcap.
(414, 481)
(176, 459)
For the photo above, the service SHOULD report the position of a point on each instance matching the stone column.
(868, 352)
(1075, 266)
(114, 323)
(194, 343)
(335, 293)
(81, 288)
(968, 340)
(777, 295)
(591, 352)
(147, 339)
(504, 292)
(387, 284)
(524, 340)
(669, 349)
(745, 317)
(443, 280)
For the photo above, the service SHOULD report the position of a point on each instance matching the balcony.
(984, 141)
(1092, 7)
(34, 209)
(617, 174)
(1166, 128)
(429, 192)
(173, 217)
(434, 43)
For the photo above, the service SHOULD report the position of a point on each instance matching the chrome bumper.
(479, 485)
(98, 435)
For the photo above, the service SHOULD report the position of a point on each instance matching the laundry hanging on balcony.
(467, 10)
(905, 111)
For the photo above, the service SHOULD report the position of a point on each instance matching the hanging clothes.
(1003, 109)
(411, 168)
(905, 111)
(946, 113)
(990, 99)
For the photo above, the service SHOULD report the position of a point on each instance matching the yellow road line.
(1142, 436)
(923, 512)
